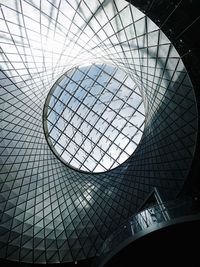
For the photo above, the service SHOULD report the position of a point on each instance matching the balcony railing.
(151, 216)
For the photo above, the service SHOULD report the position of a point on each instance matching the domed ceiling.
(50, 212)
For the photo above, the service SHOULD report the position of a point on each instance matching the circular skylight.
(94, 117)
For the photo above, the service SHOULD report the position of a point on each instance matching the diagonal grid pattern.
(50, 213)
(87, 114)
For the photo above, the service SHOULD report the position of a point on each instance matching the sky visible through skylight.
(94, 117)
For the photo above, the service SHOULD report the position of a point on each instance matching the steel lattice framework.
(51, 213)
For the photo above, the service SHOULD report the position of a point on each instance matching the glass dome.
(50, 212)
(94, 117)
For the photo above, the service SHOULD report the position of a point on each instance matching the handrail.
(162, 212)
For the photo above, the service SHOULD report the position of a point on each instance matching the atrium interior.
(99, 107)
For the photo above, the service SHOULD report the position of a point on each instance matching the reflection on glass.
(94, 119)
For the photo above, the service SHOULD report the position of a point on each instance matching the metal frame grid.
(50, 213)
(94, 118)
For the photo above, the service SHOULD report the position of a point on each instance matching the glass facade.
(51, 213)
